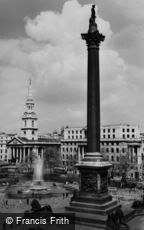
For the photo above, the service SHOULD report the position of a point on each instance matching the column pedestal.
(92, 203)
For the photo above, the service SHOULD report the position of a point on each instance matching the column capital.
(94, 39)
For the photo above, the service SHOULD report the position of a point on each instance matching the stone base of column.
(92, 203)
(92, 212)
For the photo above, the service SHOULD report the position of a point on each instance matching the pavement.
(125, 197)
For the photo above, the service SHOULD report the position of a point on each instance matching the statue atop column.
(93, 37)
(93, 12)
(92, 23)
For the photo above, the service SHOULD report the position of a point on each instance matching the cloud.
(129, 43)
(56, 57)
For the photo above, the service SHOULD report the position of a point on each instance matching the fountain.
(38, 169)
(38, 184)
(38, 187)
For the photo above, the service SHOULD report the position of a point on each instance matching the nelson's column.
(92, 203)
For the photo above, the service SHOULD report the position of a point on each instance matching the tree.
(124, 165)
(52, 158)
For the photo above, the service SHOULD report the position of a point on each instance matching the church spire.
(30, 101)
(29, 128)
(30, 90)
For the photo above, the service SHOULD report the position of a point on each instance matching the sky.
(41, 40)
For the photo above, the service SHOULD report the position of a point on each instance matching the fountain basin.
(36, 190)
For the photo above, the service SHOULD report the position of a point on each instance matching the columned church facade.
(21, 148)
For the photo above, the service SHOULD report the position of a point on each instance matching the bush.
(138, 204)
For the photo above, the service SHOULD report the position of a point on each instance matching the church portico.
(27, 146)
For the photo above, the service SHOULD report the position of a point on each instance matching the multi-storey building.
(72, 138)
(117, 141)
(4, 138)
(74, 133)
(122, 131)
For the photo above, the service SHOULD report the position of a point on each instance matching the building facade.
(119, 143)
(4, 139)
(22, 148)
(72, 138)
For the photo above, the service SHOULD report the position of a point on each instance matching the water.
(38, 169)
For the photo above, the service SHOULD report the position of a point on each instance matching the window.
(108, 136)
(113, 136)
(67, 156)
(108, 130)
(24, 132)
(63, 156)
(68, 137)
(114, 130)
(103, 136)
(117, 158)
(104, 130)
(25, 123)
(123, 136)
(133, 135)
(117, 150)
(33, 132)
(133, 130)
(107, 149)
(123, 150)
(128, 136)
(123, 130)
(80, 136)
(112, 158)
(127, 130)
(32, 123)
(112, 150)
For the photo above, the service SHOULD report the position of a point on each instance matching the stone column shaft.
(93, 101)
(79, 158)
(93, 39)
(20, 153)
(42, 153)
(24, 154)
